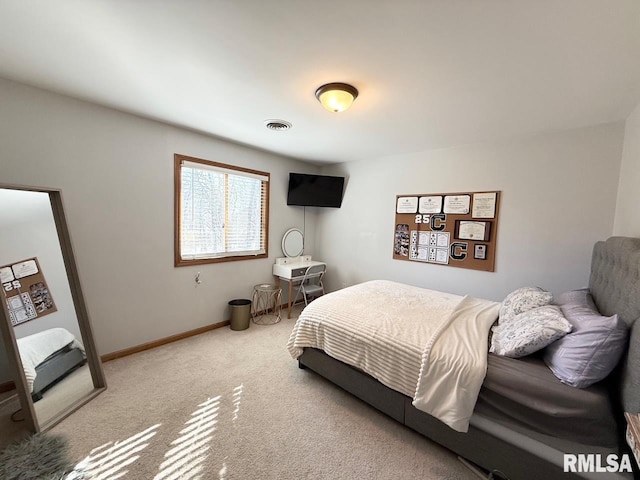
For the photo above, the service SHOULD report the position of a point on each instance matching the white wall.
(558, 198)
(627, 221)
(116, 174)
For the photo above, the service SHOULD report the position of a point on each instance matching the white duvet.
(36, 348)
(431, 346)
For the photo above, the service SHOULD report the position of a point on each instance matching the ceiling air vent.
(277, 125)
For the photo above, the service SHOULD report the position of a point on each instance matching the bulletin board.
(451, 229)
(26, 291)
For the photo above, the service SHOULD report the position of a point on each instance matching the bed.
(519, 420)
(49, 356)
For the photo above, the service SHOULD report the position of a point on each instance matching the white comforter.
(429, 345)
(36, 348)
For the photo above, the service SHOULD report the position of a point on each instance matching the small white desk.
(292, 269)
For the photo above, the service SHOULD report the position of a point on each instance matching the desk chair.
(311, 283)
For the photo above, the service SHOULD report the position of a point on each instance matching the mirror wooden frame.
(11, 346)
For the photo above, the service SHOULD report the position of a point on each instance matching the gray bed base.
(488, 444)
(55, 369)
(615, 286)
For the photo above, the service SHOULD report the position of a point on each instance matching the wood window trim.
(177, 187)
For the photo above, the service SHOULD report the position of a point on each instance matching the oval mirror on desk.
(43, 320)
(293, 243)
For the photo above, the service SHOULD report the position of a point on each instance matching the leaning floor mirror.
(50, 352)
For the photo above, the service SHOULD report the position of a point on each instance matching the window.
(221, 212)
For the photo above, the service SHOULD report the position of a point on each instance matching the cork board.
(451, 229)
(26, 291)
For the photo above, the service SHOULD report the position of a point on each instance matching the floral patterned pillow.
(522, 300)
(529, 332)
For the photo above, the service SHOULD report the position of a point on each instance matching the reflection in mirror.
(58, 365)
(12, 426)
(293, 243)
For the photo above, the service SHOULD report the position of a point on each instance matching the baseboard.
(7, 387)
(163, 341)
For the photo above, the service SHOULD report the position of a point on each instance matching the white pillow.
(529, 332)
(594, 347)
(522, 300)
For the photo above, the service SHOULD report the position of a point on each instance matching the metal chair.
(311, 283)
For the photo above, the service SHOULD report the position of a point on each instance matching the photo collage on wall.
(26, 291)
(455, 229)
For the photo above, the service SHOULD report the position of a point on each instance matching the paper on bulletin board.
(6, 275)
(407, 205)
(24, 269)
(27, 294)
(457, 204)
(484, 205)
(430, 204)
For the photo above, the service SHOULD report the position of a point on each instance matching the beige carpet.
(66, 392)
(76, 385)
(10, 431)
(234, 405)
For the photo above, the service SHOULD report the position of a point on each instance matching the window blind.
(223, 212)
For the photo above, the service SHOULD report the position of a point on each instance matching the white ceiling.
(431, 73)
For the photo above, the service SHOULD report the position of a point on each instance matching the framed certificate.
(470, 230)
(484, 205)
(480, 251)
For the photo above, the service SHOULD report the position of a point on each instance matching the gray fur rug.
(41, 456)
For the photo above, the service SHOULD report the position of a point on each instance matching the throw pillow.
(593, 349)
(529, 332)
(522, 300)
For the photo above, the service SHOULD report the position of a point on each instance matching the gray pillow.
(593, 349)
(574, 297)
(522, 300)
(529, 332)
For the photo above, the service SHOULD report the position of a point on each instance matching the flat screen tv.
(315, 190)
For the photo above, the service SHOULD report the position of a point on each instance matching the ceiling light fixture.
(336, 97)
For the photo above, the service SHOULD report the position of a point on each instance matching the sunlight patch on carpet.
(222, 474)
(237, 398)
(109, 461)
(184, 460)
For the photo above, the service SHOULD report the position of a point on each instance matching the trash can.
(240, 313)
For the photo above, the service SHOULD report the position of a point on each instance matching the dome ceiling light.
(336, 97)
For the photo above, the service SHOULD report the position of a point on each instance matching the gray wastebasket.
(240, 313)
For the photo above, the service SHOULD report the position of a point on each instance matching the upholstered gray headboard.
(615, 286)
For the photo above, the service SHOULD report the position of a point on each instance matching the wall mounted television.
(315, 190)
